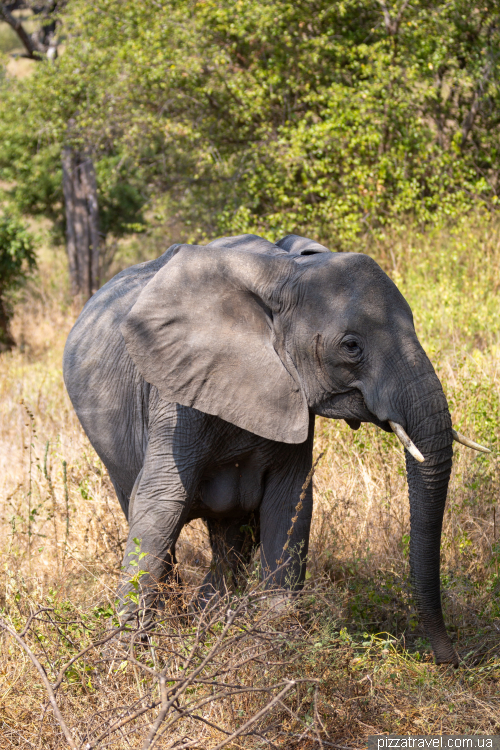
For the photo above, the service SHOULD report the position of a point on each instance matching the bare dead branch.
(291, 684)
(32, 617)
(84, 651)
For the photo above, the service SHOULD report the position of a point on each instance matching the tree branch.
(392, 24)
(29, 43)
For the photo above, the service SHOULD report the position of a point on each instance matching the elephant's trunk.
(429, 426)
(427, 491)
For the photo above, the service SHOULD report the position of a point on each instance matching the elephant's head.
(261, 335)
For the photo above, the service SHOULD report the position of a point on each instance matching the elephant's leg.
(149, 560)
(126, 499)
(159, 509)
(285, 521)
(233, 543)
(121, 494)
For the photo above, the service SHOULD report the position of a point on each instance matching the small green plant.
(136, 556)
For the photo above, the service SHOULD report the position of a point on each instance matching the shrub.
(17, 260)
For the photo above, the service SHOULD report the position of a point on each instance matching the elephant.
(197, 377)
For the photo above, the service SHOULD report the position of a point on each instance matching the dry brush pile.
(345, 659)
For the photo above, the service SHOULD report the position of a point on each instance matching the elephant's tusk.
(469, 443)
(403, 437)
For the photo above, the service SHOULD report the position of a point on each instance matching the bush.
(17, 260)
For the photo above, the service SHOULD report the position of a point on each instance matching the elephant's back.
(108, 393)
(112, 302)
(95, 342)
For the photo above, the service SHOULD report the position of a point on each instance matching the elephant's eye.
(351, 346)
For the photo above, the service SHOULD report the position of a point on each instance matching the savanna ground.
(348, 659)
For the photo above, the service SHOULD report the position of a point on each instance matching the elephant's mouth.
(350, 406)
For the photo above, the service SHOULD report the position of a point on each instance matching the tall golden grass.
(62, 536)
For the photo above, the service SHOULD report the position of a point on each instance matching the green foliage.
(17, 256)
(134, 580)
(324, 118)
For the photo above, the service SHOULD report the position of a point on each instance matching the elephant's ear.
(202, 332)
(296, 245)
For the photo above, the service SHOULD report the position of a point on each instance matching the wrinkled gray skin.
(197, 376)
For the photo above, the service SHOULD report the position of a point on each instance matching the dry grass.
(353, 634)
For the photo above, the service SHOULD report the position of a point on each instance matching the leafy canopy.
(329, 119)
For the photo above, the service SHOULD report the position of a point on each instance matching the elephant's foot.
(444, 651)
(446, 655)
(138, 618)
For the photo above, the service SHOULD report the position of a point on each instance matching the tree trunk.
(82, 222)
